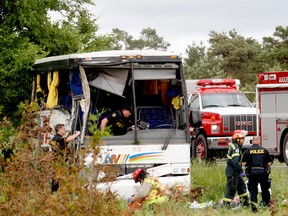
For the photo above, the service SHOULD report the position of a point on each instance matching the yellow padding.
(176, 102)
(52, 99)
(38, 88)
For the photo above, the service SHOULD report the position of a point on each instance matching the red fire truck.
(223, 109)
(271, 98)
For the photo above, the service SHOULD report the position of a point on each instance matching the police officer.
(60, 150)
(59, 144)
(234, 171)
(258, 162)
(118, 120)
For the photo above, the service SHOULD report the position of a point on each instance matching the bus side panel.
(127, 187)
(145, 154)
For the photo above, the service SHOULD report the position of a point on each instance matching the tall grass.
(211, 177)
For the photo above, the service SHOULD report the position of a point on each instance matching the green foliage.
(234, 56)
(17, 56)
(94, 129)
(74, 30)
(229, 55)
(27, 32)
(275, 50)
(197, 64)
(7, 131)
(249, 90)
(209, 182)
(149, 39)
(119, 36)
(24, 183)
(238, 56)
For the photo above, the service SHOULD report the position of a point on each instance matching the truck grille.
(239, 122)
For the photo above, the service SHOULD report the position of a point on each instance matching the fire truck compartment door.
(274, 106)
(268, 120)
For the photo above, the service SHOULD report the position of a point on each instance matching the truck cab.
(223, 109)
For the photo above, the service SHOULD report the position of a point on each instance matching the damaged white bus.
(151, 82)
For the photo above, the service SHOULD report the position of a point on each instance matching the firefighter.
(234, 171)
(151, 191)
(258, 162)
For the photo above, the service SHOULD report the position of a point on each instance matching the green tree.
(120, 39)
(197, 64)
(275, 50)
(149, 39)
(229, 55)
(236, 55)
(28, 32)
(17, 55)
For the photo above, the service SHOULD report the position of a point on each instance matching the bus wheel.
(285, 149)
(199, 148)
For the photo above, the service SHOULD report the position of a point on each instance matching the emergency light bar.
(214, 82)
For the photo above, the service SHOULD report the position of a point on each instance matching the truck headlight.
(214, 128)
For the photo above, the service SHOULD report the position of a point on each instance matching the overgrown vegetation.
(25, 177)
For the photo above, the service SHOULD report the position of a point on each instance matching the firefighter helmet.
(238, 134)
(136, 174)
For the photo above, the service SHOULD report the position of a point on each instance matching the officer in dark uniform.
(119, 121)
(258, 162)
(234, 171)
(60, 150)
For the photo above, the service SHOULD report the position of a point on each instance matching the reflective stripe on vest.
(152, 197)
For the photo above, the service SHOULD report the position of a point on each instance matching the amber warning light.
(131, 57)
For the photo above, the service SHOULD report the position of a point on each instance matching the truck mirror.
(195, 118)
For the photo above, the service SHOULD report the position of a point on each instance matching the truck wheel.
(199, 148)
(285, 149)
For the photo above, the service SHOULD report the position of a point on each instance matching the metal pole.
(134, 103)
(257, 110)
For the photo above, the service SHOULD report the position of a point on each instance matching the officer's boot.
(244, 201)
(226, 204)
(254, 207)
(54, 185)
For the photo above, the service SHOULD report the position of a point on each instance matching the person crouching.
(150, 193)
